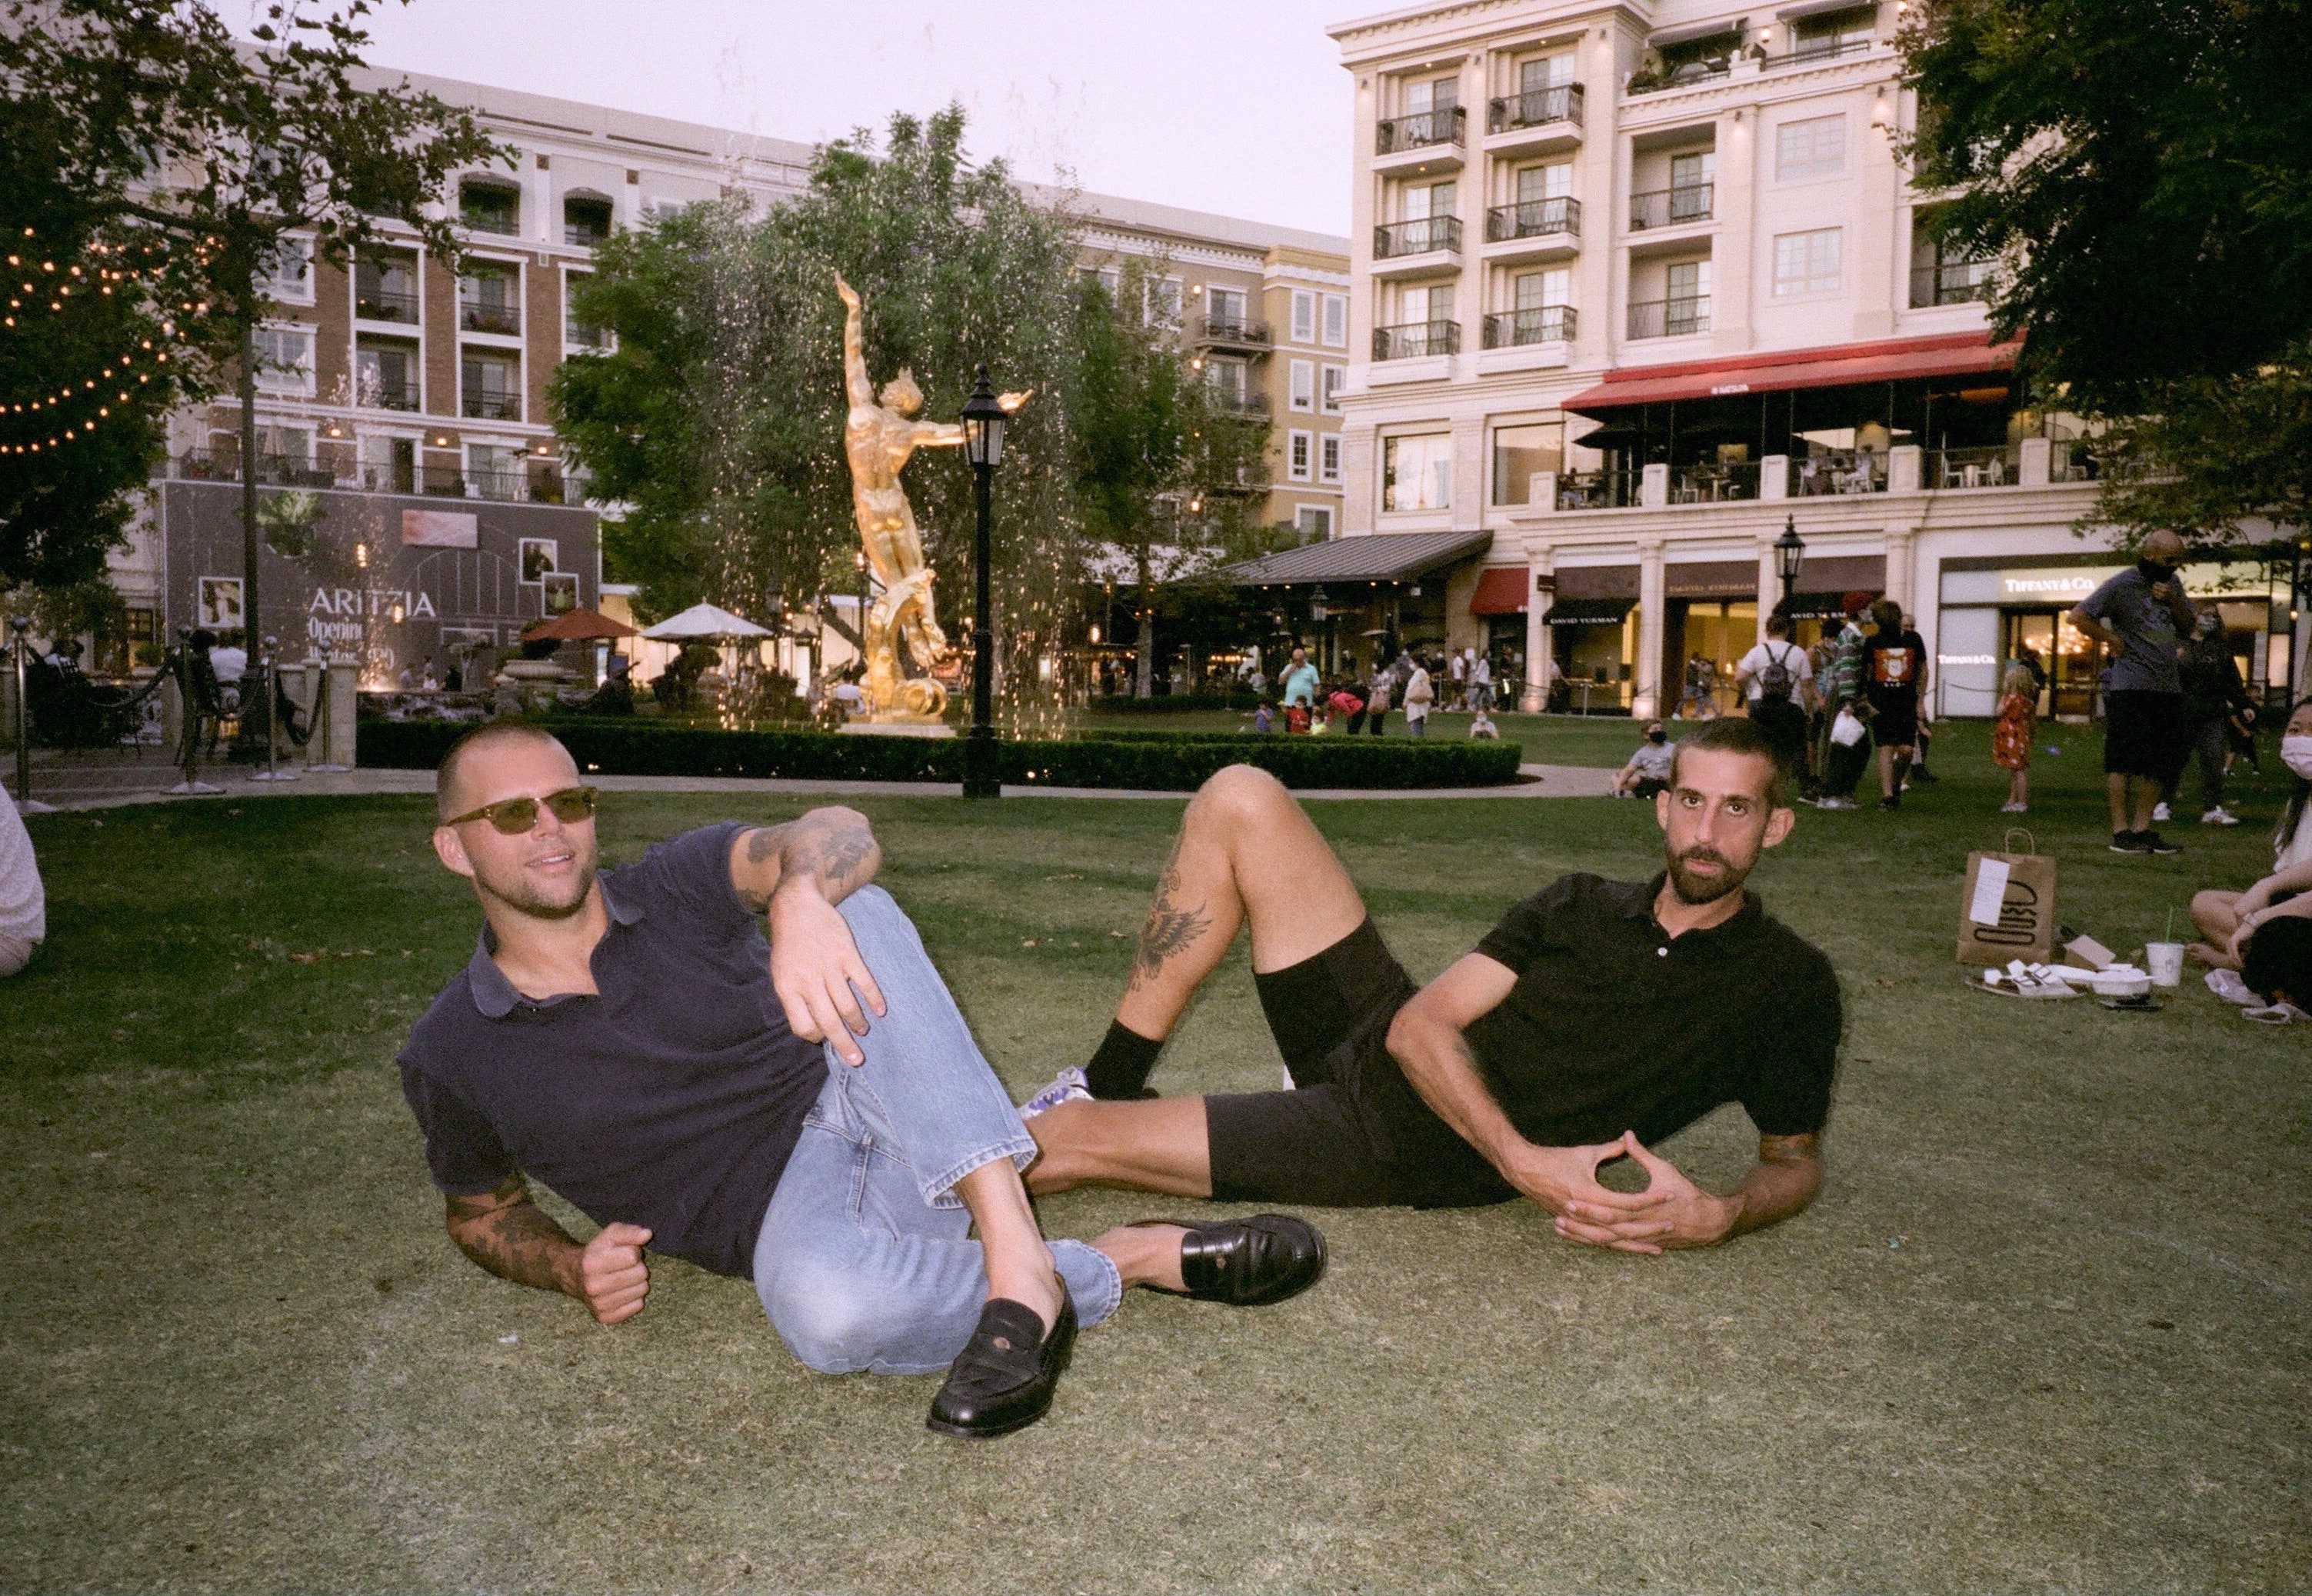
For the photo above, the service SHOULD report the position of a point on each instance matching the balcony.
(1535, 226)
(1950, 283)
(1686, 74)
(1669, 318)
(1413, 339)
(1541, 324)
(1227, 401)
(490, 210)
(2072, 460)
(1233, 332)
(1535, 107)
(1393, 240)
(1599, 490)
(1840, 472)
(584, 335)
(1992, 466)
(1680, 207)
(491, 405)
(1819, 52)
(388, 395)
(273, 471)
(374, 303)
(1428, 129)
(1704, 483)
(502, 317)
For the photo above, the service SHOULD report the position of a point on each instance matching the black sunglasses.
(514, 816)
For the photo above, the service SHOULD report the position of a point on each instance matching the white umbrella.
(704, 622)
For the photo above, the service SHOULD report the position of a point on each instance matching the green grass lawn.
(2046, 1327)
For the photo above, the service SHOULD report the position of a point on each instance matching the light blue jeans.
(865, 1259)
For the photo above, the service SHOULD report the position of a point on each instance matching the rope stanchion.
(269, 661)
(321, 731)
(25, 803)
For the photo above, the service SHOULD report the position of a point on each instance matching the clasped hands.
(1672, 1211)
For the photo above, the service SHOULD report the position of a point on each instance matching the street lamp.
(982, 445)
(1790, 554)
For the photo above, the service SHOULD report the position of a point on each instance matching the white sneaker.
(2159, 813)
(2219, 816)
(1067, 1087)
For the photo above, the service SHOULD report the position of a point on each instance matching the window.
(1815, 147)
(285, 445)
(385, 289)
(385, 376)
(1297, 453)
(576, 331)
(1416, 472)
(1434, 303)
(1224, 310)
(1806, 262)
(286, 277)
(1688, 280)
(1314, 522)
(1553, 181)
(490, 207)
(1106, 277)
(1418, 202)
(1160, 306)
(493, 470)
(1328, 458)
(389, 464)
(489, 300)
(1335, 375)
(1431, 94)
(1545, 72)
(1226, 379)
(1304, 385)
(1536, 290)
(1692, 168)
(1304, 316)
(285, 360)
(1336, 321)
(492, 388)
(585, 220)
(1522, 451)
(1841, 33)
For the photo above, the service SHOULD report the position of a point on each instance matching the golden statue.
(879, 440)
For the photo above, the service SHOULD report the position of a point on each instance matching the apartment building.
(1636, 288)
(410, 401)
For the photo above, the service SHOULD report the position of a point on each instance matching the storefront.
(1350, 601)
(1993, 613)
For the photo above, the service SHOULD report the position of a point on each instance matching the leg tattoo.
(1169, 929)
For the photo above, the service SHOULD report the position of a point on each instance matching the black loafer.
(1003, 1378)
(1247, 1263)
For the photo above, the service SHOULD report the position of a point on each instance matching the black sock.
(1122, 1065)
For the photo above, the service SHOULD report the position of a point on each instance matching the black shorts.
(1894, 719)
(2145, 735)
(1315, 1144)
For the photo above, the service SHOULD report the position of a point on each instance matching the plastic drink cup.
(2166, 962)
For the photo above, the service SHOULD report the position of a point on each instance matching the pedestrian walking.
(1379, 693)
(1419, 695)
(1845, 707)
(2213, 694)
(1776, 683)
(1896, 679)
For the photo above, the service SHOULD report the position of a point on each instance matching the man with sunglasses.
(736, 1051)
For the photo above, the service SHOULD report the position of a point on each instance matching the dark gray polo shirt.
(2148, 660)
(670, 1098)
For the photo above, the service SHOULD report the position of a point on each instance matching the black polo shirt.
(1614, 1025)
(670, 1098)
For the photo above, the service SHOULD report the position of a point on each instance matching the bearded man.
(1597, 1018)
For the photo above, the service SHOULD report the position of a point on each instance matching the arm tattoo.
(510, 1236)
(835, 847)
(1169, 928)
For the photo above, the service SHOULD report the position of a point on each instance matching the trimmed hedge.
(1146, 761)
(1176, 703)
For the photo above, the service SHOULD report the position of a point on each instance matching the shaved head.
(453, 784)
(2165, 545)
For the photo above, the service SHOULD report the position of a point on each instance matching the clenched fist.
(612, 1277)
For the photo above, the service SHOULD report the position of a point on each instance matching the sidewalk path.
(108, 780)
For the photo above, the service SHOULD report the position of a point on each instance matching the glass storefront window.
(1519, 453)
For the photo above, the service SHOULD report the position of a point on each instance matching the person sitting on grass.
(1596, 1019)
(2277, 965)
(2227, 919)
(23, 902)
(1480, 726)
(736, 1052)
(1648, 771)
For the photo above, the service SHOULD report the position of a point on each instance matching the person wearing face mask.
(1648, 771)
(2141, 616)
(2227, 921)
(2212, 694)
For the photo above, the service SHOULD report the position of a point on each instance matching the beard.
(516, 890)
(1697, 889)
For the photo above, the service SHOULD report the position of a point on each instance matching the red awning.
(1502, 590)
(1840, 366)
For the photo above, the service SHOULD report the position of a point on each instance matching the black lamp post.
(982, 445)
(1790, 554)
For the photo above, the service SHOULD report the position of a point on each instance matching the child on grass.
(2011, 739)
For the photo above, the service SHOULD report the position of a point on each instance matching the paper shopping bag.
(2008, 910)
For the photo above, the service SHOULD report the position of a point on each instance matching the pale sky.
(1235, 106)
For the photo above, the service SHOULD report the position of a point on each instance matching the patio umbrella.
(576, 626)
(1611, 436)
(704, 623)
